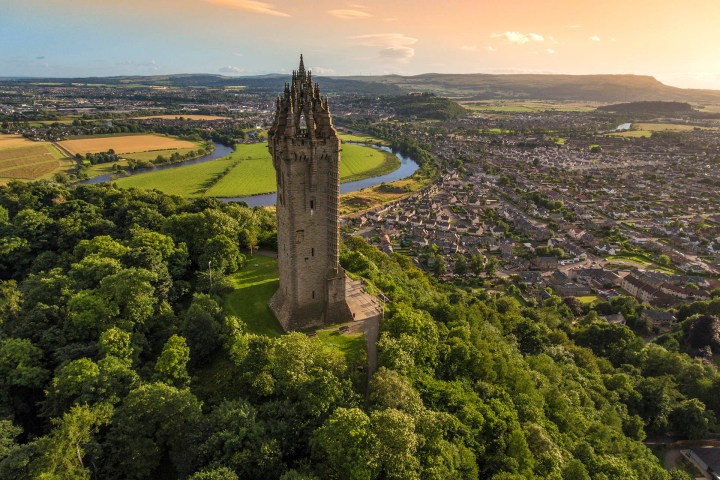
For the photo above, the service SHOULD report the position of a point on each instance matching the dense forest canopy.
(648, 107)
(425, 106)
(117, 360)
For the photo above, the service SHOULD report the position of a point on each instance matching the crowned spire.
(301, 110)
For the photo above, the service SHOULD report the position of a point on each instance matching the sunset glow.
(674, 41)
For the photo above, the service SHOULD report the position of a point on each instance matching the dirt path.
(63, 150)
(371, 330)
(672, 458)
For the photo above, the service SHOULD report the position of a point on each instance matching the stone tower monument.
(306, 154)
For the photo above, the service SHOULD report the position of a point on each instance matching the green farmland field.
(252, 175)
(359, 162)
(349, 137)
(249, 171)
(187, 181)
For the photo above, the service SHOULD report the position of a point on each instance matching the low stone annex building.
(305, 148)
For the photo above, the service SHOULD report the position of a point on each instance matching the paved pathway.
(367, 313)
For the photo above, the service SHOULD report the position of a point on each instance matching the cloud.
(490, 48)
(550, 51)
(594, 38)
(394, 46)
(230, 69)
(519, 38)
(347, 14)
(385, 39)
(139, 66)
(573, 26)
(40, 58)
(250, 6)
(535, 37)
(612, 39)
(238, 54)
(400, 53)
(322, 70)
(150, 63)
(467, 48)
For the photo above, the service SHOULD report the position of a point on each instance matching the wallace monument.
(306, 154)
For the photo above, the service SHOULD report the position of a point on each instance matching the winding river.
(408, 166)
(219, 151)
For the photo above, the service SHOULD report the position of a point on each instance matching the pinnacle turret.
(301, 109)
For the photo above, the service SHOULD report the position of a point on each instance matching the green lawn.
(55, 152)
(587, 299)
(496, 131)
(637, 258)
(103, 168)
(632, 133)
(249, 171)
(350, 345)
(518, 299)
(668, 127)
(644, 261)
(349, 137)
(255, 284)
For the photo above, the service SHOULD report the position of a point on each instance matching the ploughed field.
(24, 159)
(249, 171)
(520, 106)
(124, 144)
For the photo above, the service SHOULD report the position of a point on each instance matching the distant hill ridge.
(599, 88)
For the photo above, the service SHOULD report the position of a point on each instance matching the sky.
(677, 42)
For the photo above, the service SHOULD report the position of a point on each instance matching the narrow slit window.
(313, 294)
